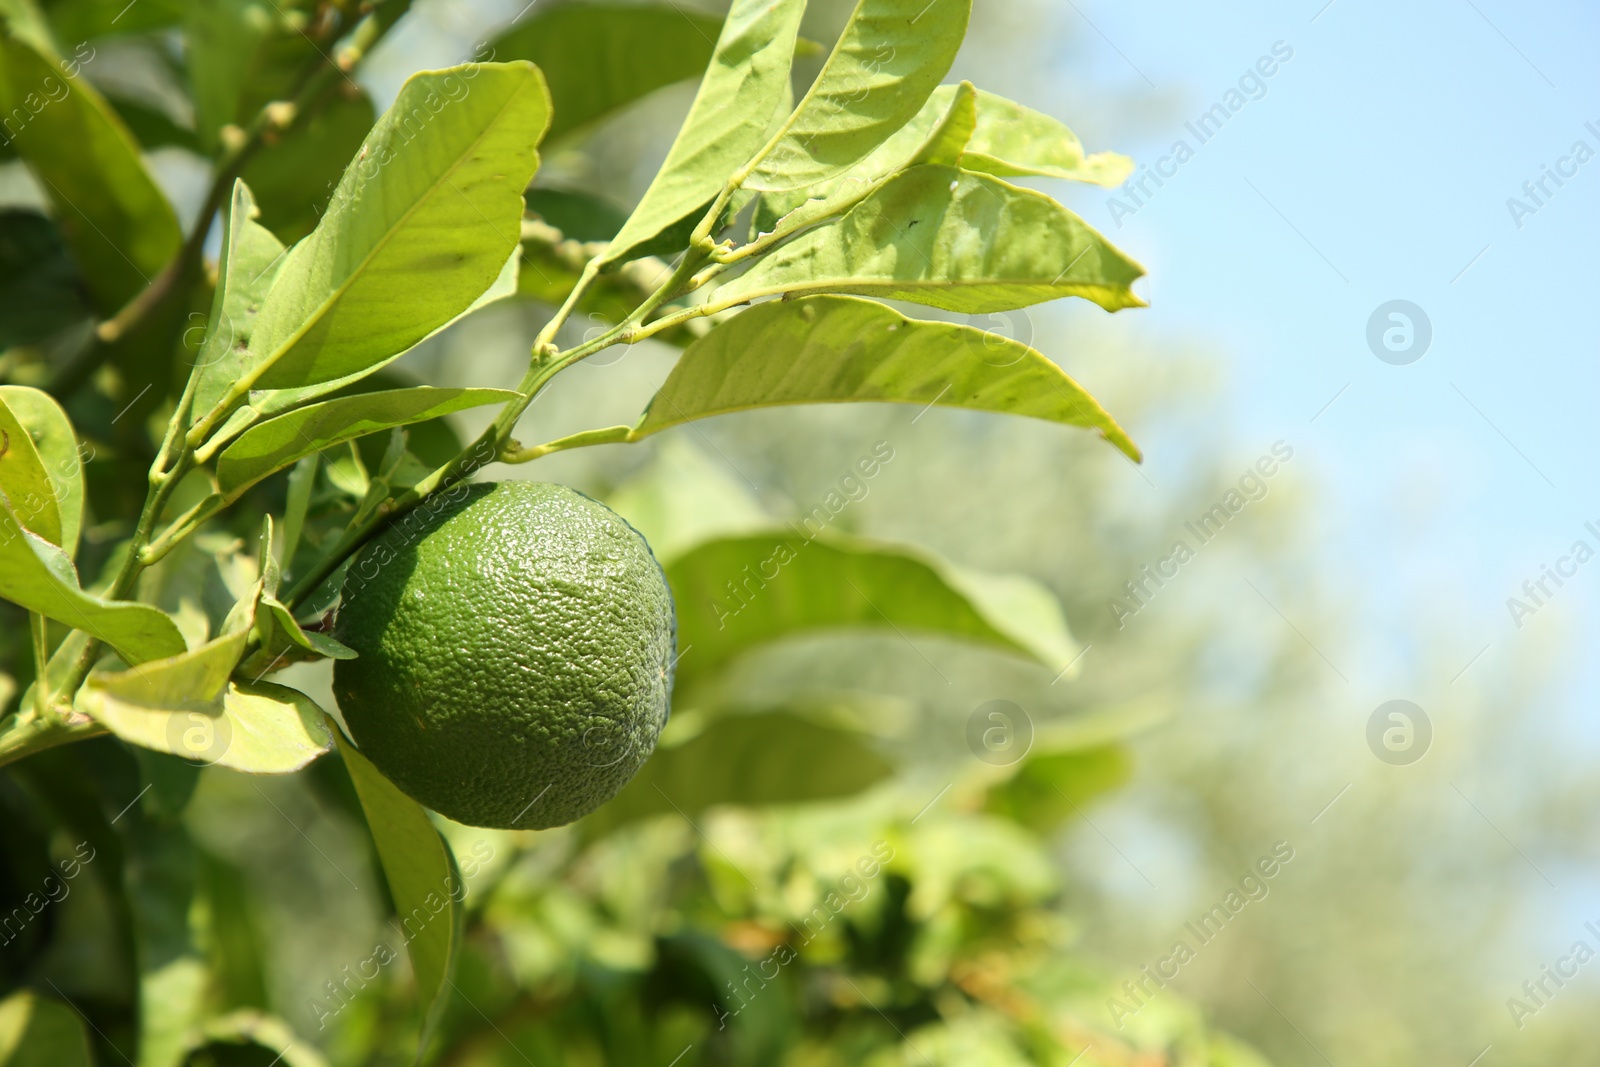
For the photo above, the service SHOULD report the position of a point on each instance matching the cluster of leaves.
(346, 241)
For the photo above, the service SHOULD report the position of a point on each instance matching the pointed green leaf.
(598, 57)
(828, 349)
(1012, 141)
(276, 443)
(24, 480)
(250, 261)
(421, 225)
(116, 221)
(951, 239)
(747, 80)
(937, 134)
(423, 881)
(255, 727)
(1004, 139)
(194, 677)
(753, 760)
(284, 642)
(40, 577)
(57, 444)
(795, 582)
(890, 57)
(36, 1031)
(268, 402)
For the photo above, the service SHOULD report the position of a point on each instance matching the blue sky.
(1376, 164)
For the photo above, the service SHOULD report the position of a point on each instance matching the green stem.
(38, 630)
(30, 732)
(607, 435)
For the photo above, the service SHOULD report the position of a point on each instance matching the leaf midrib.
(244, 385)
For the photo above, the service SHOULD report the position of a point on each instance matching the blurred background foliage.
(836, 876)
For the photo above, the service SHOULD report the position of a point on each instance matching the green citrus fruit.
(515, 649)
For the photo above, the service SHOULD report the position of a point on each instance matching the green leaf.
(421, 225)
(255, 727)
(747, 80)
(250, 261)
(169, 922)
(40, 294)
(1049, 787)
(579, 216)
(294, 179)
(268, 402)
(25, 482)
(1013, 141)
(889, 58)
(276, 443)
(52, 435)
(423, 881)
(153, 126)
(936, 134)
(38, 1032)
(40, 577)
(283, 641)
(959, 126)
(84, 20)
(828, 349)
(116, 221)
(241, 54)
(951, 239)
(737, 593)
(753, 760)
(186, 706)
(598, 57)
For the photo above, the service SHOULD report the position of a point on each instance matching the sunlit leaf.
(36, 1031)
(746, 81)
(598, 57)
(936, 134)
(829, 349)
(114, 218)
(255, 727)
(276, 443)
(421, 225)
(40, 577)
(890, 57)
(1012, 140)
(423, 881)
(250, 261)
(25, 482)
(751, 760)
(951, 239)
(57, 443)
(736, 593)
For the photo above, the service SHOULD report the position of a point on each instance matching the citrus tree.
(208, 475)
